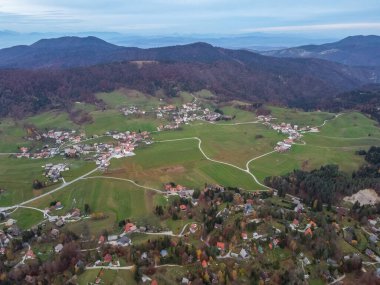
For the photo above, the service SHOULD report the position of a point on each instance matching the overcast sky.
(159, 17)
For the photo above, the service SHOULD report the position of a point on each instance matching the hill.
(57, 72)
(353, 51)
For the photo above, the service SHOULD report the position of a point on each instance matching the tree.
(37, 184)
(159, 211)
(87, 209)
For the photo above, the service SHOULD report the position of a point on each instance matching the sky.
(327, 18)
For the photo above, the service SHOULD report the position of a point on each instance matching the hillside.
(353, 51)
(57, 72)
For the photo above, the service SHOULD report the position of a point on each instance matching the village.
(223, 229)
(221, 225)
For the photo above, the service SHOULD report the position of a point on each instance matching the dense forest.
(66, 74)
(366, 100)
(327, 184)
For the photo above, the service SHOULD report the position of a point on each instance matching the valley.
(194, 154)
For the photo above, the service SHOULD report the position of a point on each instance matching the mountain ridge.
(353, 51)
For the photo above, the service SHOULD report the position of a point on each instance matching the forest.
(327, 184)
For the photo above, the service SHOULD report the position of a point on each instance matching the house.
(193, 228)
(256, 236)
(308, 232)
(204, 263)
(144, 256)
(183, 207)
(220, 246)
(107, 258)
(243, 253)
(58, 248)
(112, 237)
(10, 222)
(124, 241)
(102, 239)
(54, 233)
(30, 254)
(30, 279)
(60, 223)
(129, 227)
(248, 209)
(164, 253)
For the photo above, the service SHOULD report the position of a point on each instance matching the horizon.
(23, 21)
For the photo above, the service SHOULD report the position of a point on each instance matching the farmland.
(175, 155)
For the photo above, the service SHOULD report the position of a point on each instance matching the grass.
(11, 134)
(52, 119)
(109, 196)
(122, 98)
(114, 120)
(26, 218)
(300, 118)
(109, 277)
(304, 157)
(115, 198)
(335, 144)
(17, 175)
(181, 162)
(235, 144)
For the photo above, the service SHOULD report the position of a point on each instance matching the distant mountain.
(252, 41)
(353, 51)
(56, 72)
(69, 52)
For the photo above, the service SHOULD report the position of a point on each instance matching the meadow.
(178, 161)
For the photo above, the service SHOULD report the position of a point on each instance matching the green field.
(117, 198)
(17, 175)
(335, 144)
(123, 98)
(12, 134)
(120, 277)
(180, 162)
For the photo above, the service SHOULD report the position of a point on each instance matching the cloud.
(318, 27)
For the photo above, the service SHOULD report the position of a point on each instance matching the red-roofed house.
(30, 254)
(220, 245)
(129, 227)
(308, 232)
(183, 207)
(204, 263)
(107, 258)
(102, 239)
